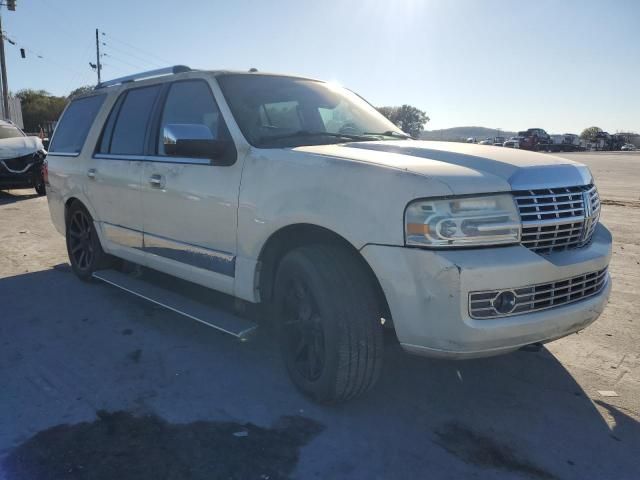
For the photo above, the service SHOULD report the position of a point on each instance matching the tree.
(80, 91)
(39, 107)
(409, 119)
(590, 134)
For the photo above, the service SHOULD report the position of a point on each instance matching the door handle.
(91, 173)
(156, 180)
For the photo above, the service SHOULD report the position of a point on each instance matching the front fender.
(360, 202)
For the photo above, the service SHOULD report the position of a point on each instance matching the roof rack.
(139, 76)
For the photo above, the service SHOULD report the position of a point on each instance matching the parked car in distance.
(299, 195)
(535, 139)
(498, 141)
(513, 142)
(567, 142)
(472, 140)
(486, 141)
(21, 159)
(628, 147)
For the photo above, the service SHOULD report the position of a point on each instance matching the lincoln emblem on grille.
(589, 216)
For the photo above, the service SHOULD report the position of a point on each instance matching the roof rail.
(139, 76)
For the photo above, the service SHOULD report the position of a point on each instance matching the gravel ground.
(97, 384)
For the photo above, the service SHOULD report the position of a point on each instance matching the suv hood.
(19, 147)
(465, 168)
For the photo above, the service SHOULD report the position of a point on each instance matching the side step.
(207, 314)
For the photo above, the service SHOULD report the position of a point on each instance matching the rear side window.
(126, 129)
(73, 128)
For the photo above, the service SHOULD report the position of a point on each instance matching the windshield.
(275, 112)
(9, 131)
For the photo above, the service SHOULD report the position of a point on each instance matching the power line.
(119, 69)
(18, 44)
(124, 52)
(118, 59)
(84, 58)
(147, 53)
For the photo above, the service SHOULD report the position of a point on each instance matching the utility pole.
(3, 66)
(98, 65)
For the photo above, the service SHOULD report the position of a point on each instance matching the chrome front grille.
(555, 219)
(482, 305)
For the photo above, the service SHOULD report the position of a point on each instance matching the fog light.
(505, 302)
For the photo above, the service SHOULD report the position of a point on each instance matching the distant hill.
(462, 133)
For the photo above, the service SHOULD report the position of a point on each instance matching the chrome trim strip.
(153, 158)
(549, 176)
(126, 237)
(200, 257)
(63, 154)
(108, 156)
(551, 221)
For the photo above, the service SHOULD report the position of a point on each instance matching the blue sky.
(561, 66)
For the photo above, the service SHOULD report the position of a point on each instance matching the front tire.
(83, 245)
(328, 323)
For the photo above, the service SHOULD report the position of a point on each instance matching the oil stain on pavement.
(484, 451)
(120, 445)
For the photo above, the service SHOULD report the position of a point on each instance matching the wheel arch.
(297, 235)
(73, 199)
(67, 206)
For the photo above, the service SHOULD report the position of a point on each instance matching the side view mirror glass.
(193, 140)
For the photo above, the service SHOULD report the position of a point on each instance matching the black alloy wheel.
(83, 245)
(328, 322)
(81, 242)
(302, 330)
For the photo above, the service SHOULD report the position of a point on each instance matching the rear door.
(190, 204)
(116, 171)
(69, 155)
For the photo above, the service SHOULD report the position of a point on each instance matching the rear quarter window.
(73, 127)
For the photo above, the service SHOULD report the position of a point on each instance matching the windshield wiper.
(389, 133)
(308, 133)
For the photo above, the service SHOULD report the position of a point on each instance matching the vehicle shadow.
(11, 196)
(71, 351)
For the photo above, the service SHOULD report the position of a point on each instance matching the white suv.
(298, 194)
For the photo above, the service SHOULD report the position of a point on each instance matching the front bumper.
(428, 295)
(26, 174)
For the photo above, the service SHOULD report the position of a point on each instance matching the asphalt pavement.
(97, 384)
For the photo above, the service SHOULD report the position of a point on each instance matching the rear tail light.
(45, 172)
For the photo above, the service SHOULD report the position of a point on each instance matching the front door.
(189, 204)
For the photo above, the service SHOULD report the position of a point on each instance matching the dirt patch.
(620, 203)
(135, 355)
(119, 445)
(484, 451)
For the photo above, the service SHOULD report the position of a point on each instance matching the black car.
(21, 159)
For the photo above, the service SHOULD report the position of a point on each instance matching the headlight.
(464, 221)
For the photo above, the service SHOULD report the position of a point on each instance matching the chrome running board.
(209, 315)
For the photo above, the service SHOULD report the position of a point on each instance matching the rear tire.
(328, 322)
(41, 189)
(83, 245)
